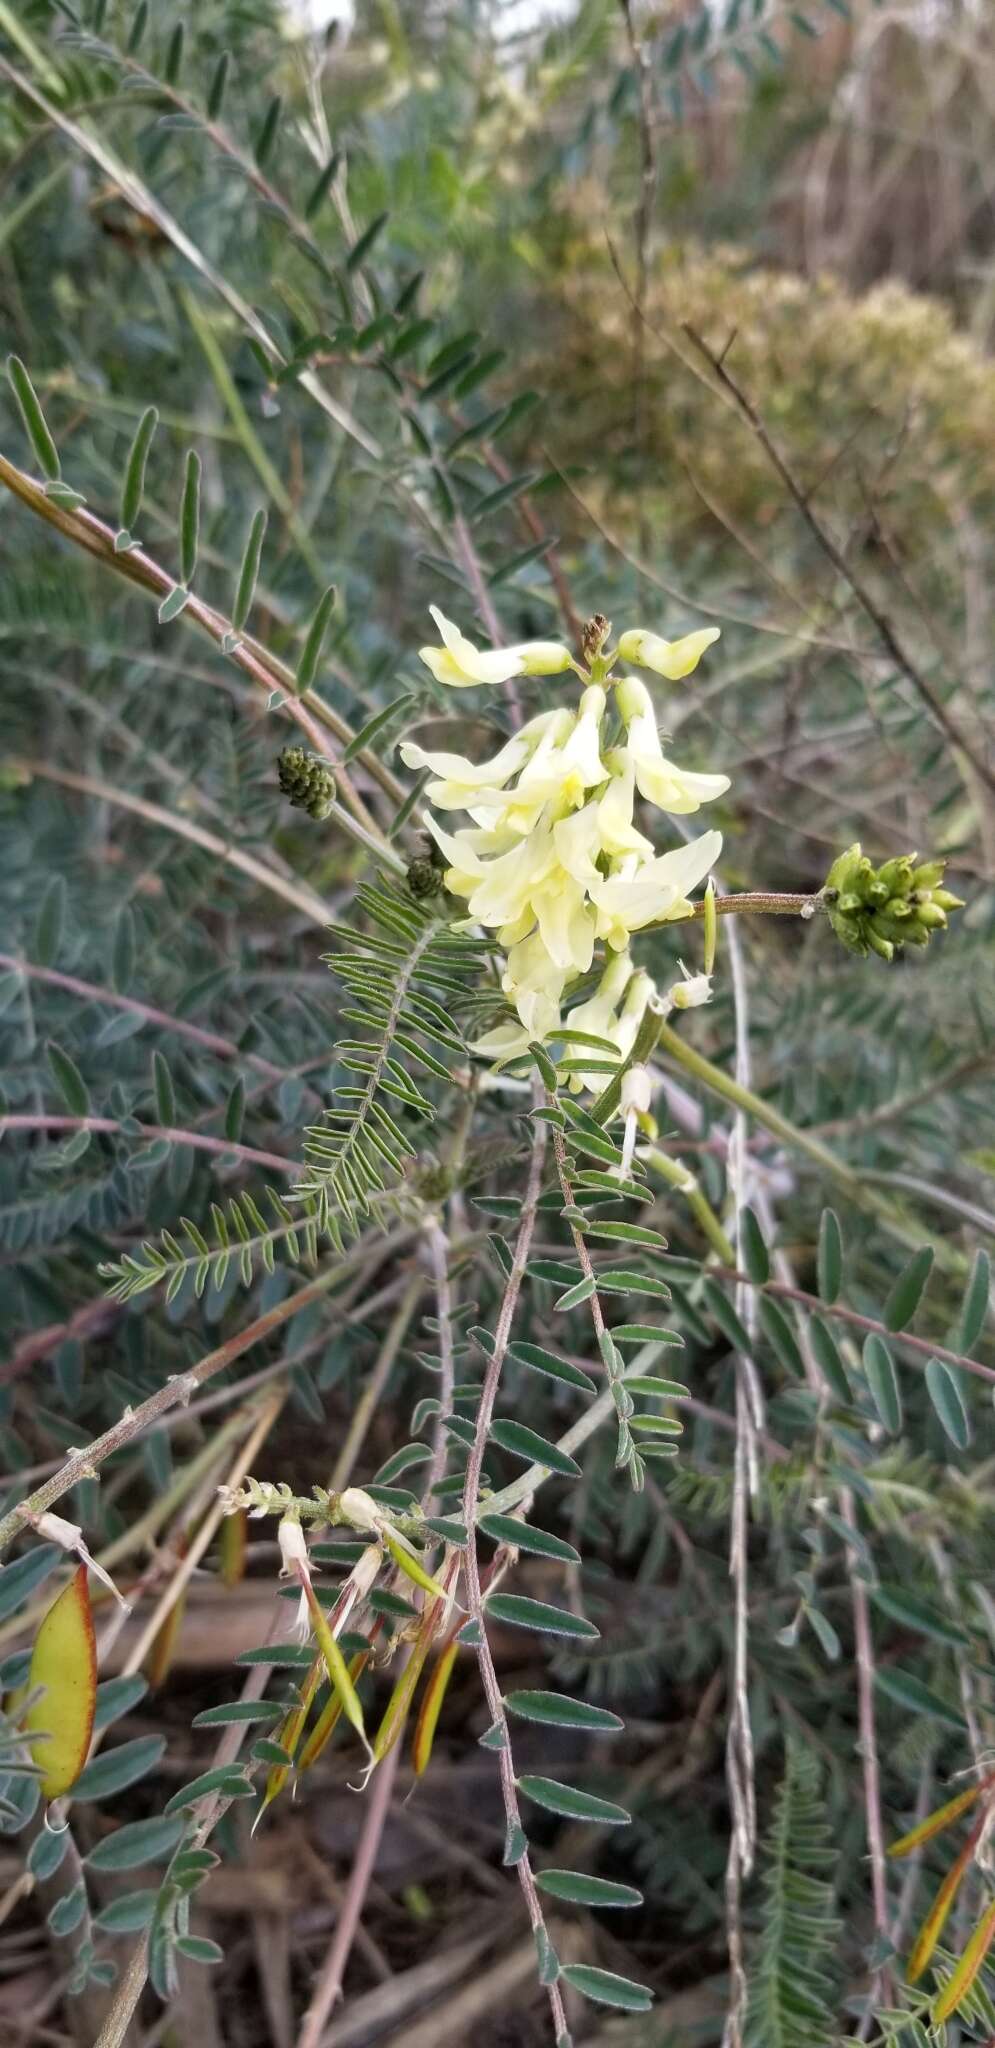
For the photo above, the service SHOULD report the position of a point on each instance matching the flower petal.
(542, 657)
(457, 769)
(461, 665)
(671, 658)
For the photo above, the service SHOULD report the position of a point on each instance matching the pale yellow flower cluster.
(553, 861)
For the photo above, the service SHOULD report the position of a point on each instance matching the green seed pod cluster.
(307, 781)
(880, 910)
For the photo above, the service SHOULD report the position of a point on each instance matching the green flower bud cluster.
(880, 910)
(427, 871)
(307, 781)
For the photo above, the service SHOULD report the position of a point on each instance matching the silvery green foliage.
(157, 993)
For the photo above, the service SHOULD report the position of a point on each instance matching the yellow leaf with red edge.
(431, 1707)
(330, 1716)
(935, 1921)
(335, 1664)
(64, 1664)
(288, 1736)
(935, 1823)
(399, 1704)
(959, 1985)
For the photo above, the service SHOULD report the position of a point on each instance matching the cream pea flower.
(459, 778)
(529, 971)
(565, 765)
(670, 658)
(534, 983)
(660, 781)
(616, 830)
(651, 891)
(638, 995)
(567, 923)
(507, 883)
(599, 1014)
(461, 665)
(505, 1042)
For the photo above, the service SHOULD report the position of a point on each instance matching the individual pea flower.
(880, 910)
(614, 1013)
(564, 765)
(296, 1564)
(653, 891)
(461, 784)
(462, 666)
(598, 1016)
(673, 659)
(660, 781)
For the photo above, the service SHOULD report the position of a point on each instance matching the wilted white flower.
(637, 1091)
(295, 1564)
(690, 993)
(70, 1537)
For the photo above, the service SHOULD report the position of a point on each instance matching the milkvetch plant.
(553, 861)
(417, 1240)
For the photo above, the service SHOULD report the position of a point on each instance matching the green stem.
(762, 1112)
(894, 1219)
(679, 1177)
(642, 1052)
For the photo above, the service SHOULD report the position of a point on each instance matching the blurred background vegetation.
(680, 314)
